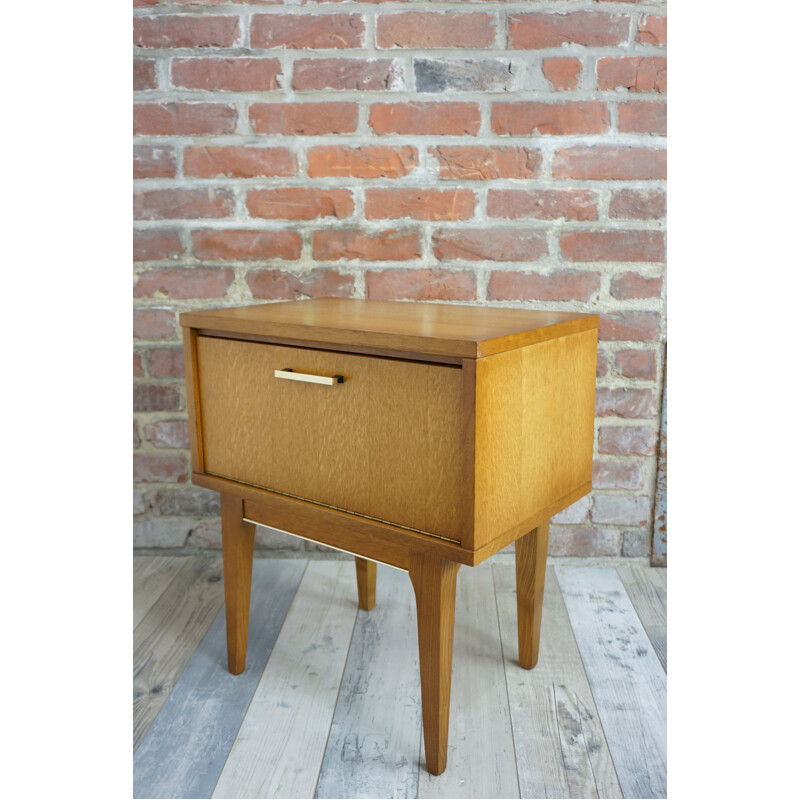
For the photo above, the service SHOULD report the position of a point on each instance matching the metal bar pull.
(287, 373)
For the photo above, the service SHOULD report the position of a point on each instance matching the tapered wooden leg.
(531, 559)
(366, 576)
(237, 569)
(434, 581)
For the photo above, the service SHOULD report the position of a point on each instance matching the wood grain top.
(425, 328)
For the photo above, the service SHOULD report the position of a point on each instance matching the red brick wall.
(504, 153)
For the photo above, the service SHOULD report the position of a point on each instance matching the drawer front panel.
(385, 443)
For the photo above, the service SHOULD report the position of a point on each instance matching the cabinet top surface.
(424, 328)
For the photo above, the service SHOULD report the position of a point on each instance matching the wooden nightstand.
(417, 435)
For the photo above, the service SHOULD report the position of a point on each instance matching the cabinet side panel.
(534, 430)
(193, 398)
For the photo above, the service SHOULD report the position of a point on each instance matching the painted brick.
(246, 245)
(643, 246)
(156, 397)
(184, 502)
(376, 161)
(628, 403)
(186, 31)
(629, 326)
(183, 119)
(156, 245)
(571, 204)
(144, 74)
(465, 162)
(643, 117)
(442, 119)
(575, 514)
(626, 440)
(227, 74)
(652, 30)
(432, 204)
(422, 30)
(635, 543)
(617, 475)
(159, 468)
(602, 364)
(170, 433)
(207, 535)
(589, 28)
(139, 502)
(183, 204)
(620, 510)
(636, 364)
(584, 541)
(136, 438)
(479, 244)
(632, 286)
(299, 203)
(563, 73)
(153, 323)
(184, 284)
(558, 285)
(550, 119)
(421, 284)
(163, 532)
(307, 31)
(304, 119)
(464, 75)
(637, 204)
(609, 162)
(273, 284)
(154, 161)
(166, 362)
(390, 245)
(239, 162)
(354, 74)
(638, 74)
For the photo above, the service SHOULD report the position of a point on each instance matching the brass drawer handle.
(287, 373)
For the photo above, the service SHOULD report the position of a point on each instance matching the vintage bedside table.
(418, 435)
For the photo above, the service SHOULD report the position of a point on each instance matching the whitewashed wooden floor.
(329, 706)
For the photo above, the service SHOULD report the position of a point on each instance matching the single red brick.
(391, 245)
(183, 204)
(589, 28)
(565, 284)
(156, 397)
(626, 440)
(620, 510)
(246, 245)
(643, 117)
(332, 161)
(307, 31)
(153, 161)
(638, 204)
(495, 244)
(166, 362)
(442, 119)
(153, 323)
(304, 119)
(633, 286)
(138, 366)
(185, 31)
(563, 73)
(183, 119)
(184, 284)
(613, 245)
(572, 204)
(467, 162)
(636, 364)
(355, 74)
(239, 162)
(551, 119)
(159, 468)
(610, 162)
(652, 30)
(583, 541)
(630, 326)
(450, 204)
(602, 365)
(421, 29)
(273, 284)
(136, 439)
(637, 74)
(156, 245)
(617, 475)
(299, 203)
(172, 433)
(144, 74)
(421, 284)
(227, 74)
(631, 403)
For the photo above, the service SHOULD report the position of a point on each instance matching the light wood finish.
(280, 746)
(615, 648)
(151, 575)
(434, 581)
(530, 555)
(237, 557)
(421, 328)
(560, 745)
(534, 430)
(647, 589)
(366, 576)
(332, 444)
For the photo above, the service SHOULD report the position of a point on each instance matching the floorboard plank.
(151, 575)
(626, 677)
(647, 589)
(480, 752)
(279, 749)
(187, 745)
(561, 748)
(165, 640)
(373, 748)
